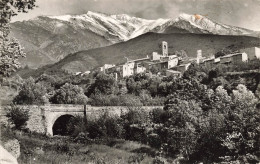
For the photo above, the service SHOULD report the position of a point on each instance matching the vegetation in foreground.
(36, 148)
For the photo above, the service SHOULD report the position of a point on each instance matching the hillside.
(48, 39)
(144, 45)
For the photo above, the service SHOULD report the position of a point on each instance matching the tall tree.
(10, 49)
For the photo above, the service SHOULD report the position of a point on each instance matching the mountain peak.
(122, 27)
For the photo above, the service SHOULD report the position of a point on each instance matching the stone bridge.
(47, 118)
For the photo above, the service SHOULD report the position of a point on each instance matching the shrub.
(31, 93)
(18, 116)
(114, 100)
(104, 84)
(69, 94)
(134, 122)
(105, 126)
(76, 125)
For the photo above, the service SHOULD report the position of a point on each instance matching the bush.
(114, 100)
(106, 126)
(18, 116)
(134, 122)
(103, 127)
(69, 94)
(76, 125)
(31, 93)
(104, 84)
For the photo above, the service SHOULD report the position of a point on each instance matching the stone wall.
(36, 122)
(94, 111)
(13, 147)
(42, 118)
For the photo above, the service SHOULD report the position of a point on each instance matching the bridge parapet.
(43, 117)
(64, 108)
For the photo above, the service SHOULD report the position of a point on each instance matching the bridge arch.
(61, 125)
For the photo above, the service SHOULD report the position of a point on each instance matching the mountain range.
(142, 46)
(48, 39)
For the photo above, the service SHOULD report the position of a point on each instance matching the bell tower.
(164, 49)
(199, 56)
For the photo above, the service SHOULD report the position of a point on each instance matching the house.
(253, 52)
(85, 73)
(172, 62)
(166, 64)
(183, 67)
(127, 69)
(216, 60)
(105, 67)
(169, 57)
(139, 68)
(155, 56)
(234, 58)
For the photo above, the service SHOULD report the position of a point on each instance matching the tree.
(69, 94)
(31, 93)
(10, 49)
(154, 69)
(105, 84)
(18, 116)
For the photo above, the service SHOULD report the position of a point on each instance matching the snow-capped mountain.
(114, 28)
(48, 39)
(124, 27)
(195, 23)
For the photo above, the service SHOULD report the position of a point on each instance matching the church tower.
(199, 56)
(164, 49)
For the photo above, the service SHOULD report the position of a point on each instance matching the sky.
(241, 13)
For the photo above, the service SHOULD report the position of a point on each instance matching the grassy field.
(39, 149)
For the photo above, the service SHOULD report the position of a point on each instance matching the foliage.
(114, 100)
(147, 100)
(228, 127)
(31, 93)
(18, 116)
(69, 94)
(76, 125)
(134, 122)
(105, 126)
(10, 49)
(104, 84)
(154, 69)
(50, 82)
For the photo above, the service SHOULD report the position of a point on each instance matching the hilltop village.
(174, 65)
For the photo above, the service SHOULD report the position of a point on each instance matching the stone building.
(211, 62)
(164, 48)
(199, 56)
(252, 52)
(139, 68)
(183, 67)
(155, 56)
(105, 67)
(234, 58)
(166, 64)
(128, 69)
